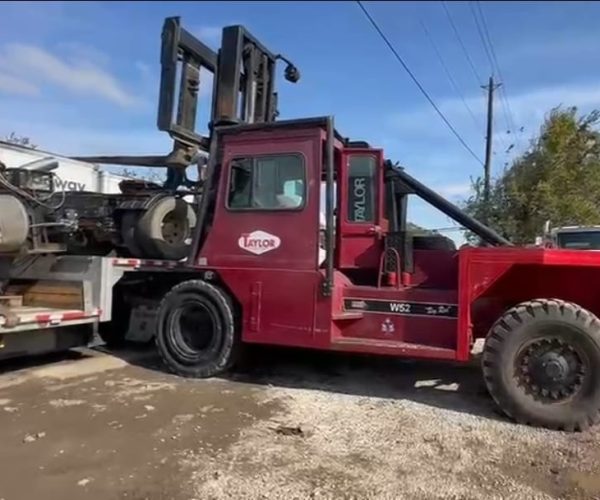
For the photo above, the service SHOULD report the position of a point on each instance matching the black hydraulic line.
(134, 161)
(451, 210)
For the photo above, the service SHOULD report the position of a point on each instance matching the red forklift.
(255, 272)
(272, 261)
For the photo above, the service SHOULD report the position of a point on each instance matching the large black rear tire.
(541, 364)
(196, 334)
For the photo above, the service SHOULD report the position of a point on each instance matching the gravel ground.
(290, 425)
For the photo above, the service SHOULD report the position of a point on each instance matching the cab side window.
(361, 189)
(274, 182)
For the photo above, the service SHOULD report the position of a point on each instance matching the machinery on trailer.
(143, 220)
(379, 289)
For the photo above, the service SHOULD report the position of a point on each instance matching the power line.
(470, 61)
(460, 42)
(416, 81)
(493, 61)
(504, 96)
(486, 32)
(448, 74)
(493, 69)
(482, 37)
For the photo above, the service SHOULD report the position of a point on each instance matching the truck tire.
(541, 365)
(113, 332)
(196, 334)
(165, 229)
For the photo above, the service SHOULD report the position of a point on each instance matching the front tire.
(196, 335)
(541, 364)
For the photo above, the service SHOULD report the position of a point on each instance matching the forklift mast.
(243, 92)
(243, 72)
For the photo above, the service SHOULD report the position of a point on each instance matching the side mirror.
(291, 73)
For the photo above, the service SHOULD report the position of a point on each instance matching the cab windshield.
(579, 240)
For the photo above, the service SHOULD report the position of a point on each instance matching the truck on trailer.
(261, 268)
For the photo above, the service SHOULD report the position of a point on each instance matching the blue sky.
(82, 78)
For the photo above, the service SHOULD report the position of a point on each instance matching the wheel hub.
(551, 369)
(173, 229)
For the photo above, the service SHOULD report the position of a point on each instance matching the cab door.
(360, 209)
(265, 235)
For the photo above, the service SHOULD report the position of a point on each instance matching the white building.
(72, 175)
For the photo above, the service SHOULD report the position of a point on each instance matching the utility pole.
(490, 87)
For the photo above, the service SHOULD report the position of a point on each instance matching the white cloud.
(422, 126)
(144, 69)
(527, 107)
(82, 76)
(18, 86)
(565, 45)
(89, 141)
(77, 51)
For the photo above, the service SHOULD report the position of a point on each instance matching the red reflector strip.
(42, 318)
(137, 263)
(57, 318)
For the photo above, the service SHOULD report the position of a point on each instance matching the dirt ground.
(291, 425)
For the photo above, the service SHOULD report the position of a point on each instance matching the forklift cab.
(304, 281)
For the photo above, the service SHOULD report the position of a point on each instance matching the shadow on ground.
(14, 365)
(448, 386)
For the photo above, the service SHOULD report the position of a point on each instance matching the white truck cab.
(572, 237)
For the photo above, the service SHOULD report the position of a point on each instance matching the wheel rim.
(552, 369)
(194, 328)
(174, 228)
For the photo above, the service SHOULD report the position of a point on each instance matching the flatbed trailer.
(56, 302)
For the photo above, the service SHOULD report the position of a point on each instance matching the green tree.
(557, 179)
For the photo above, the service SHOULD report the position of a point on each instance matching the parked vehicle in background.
(571, 237)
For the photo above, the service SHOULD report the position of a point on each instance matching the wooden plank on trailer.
(56, 294)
